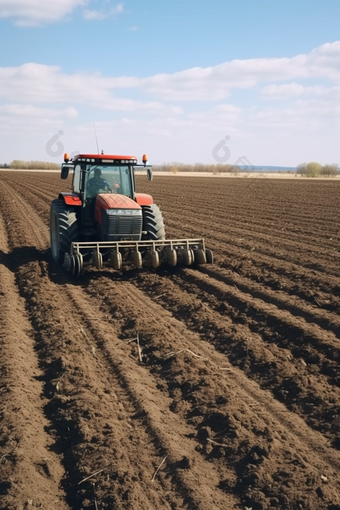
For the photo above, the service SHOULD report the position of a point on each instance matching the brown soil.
(198, 389)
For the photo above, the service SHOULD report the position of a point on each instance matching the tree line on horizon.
(18, 164)
(311, 169)
(314, 169)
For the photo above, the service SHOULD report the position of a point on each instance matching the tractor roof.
(105, 157)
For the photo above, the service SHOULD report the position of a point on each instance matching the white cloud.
(29, 111)
(48, 84)
(290, 90)
(105, 13)
(184, 113)
(40, 12)
(308, 115)
(93, 15)
(216, 83)
(220, 119)
(37, 12)
(41, 83)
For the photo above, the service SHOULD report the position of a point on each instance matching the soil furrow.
(225, 245)
(30, 468)
(268, 351)
(312, 314)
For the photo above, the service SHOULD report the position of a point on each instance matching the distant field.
(240, 175)
(245, 175)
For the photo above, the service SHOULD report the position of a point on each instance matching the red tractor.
(104, 221)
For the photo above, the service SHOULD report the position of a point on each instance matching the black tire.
(153, 223)
(63, 229)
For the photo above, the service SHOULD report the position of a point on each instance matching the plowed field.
(200, 389)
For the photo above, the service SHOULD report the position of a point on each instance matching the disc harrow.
(120, 254)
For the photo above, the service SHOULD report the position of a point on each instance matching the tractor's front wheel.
(63, 229)
(153, 224)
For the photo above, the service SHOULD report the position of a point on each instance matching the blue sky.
(175, 80)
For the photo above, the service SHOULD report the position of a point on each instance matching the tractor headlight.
(124, 212)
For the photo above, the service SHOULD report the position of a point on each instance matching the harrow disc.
(188, 257)
(209, 256)
(155, 259)
(137, 259)
(98, 259)
(200, 256)
(172, 257)
(116, 260)
(78, 265)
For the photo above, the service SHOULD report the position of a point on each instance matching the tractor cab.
(102, 173)
(105, 187)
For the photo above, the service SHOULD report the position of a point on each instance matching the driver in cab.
(97, 183)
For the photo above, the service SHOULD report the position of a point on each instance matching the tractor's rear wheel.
(153, 224)
(63, 229)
